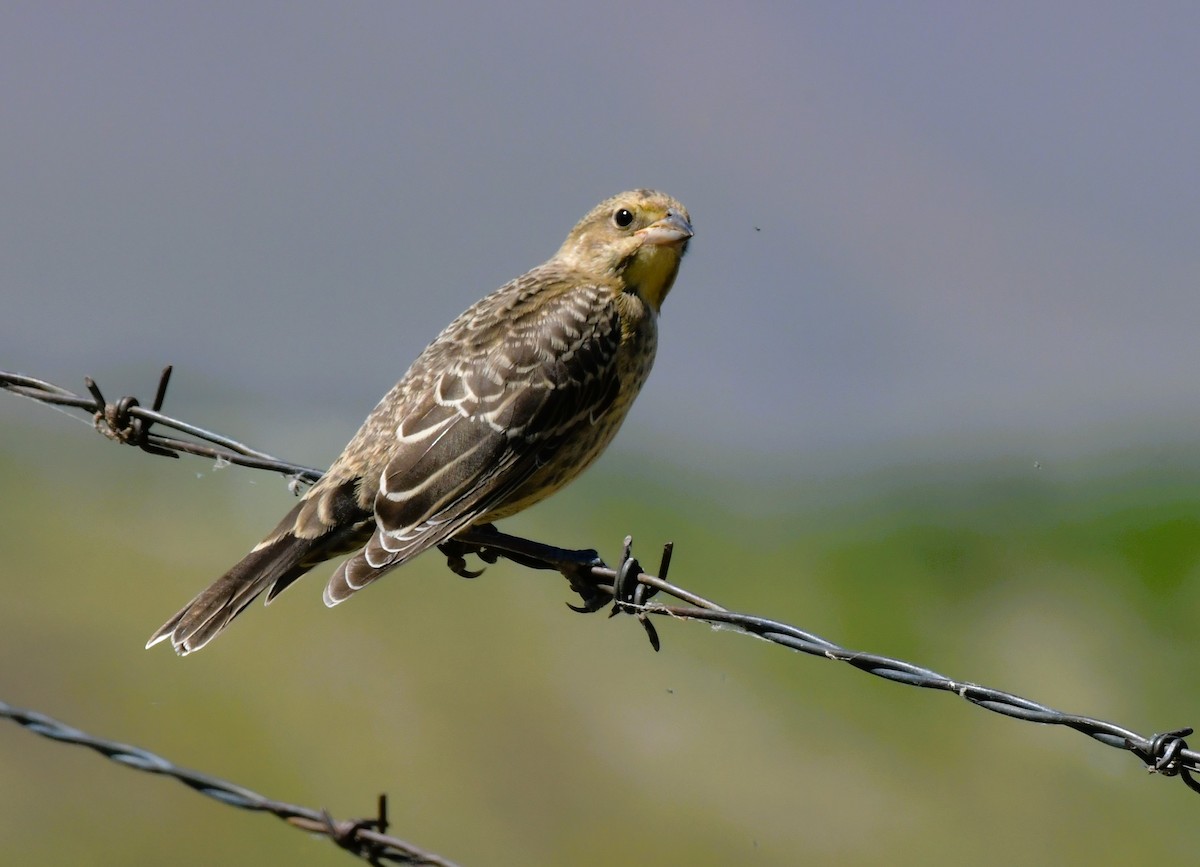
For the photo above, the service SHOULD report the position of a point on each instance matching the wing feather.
(485, 418)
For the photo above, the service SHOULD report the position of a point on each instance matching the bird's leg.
(626, 593)
(488, 543)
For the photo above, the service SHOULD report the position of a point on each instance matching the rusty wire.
(626, 589)
(365, 838)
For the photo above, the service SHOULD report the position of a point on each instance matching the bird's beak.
(671, 229)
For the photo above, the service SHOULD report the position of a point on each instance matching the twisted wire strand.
(364, 838)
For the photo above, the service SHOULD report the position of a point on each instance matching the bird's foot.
(456, 557)
(626, 593)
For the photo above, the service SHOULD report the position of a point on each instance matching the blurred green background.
(508, 730)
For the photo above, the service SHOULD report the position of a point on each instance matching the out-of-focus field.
(509, 731)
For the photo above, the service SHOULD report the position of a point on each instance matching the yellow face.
(637, 237)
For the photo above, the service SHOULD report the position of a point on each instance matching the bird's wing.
(491, 401)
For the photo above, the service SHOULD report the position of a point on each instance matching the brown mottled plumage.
(512, 401)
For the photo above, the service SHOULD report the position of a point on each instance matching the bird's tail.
(276, 562)
(328, 521)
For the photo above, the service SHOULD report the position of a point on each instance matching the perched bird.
(513, 400)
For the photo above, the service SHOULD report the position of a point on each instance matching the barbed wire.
(365, 838)
(127, 421)
(625, 589)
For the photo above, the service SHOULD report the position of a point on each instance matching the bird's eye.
(622, 217)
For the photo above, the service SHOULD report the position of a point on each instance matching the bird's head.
(637, 237)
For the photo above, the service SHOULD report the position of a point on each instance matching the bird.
(513, 400)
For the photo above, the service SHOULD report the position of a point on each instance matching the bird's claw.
(456, 560)
(578, 572)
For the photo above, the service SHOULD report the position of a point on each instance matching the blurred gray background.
(956, 223)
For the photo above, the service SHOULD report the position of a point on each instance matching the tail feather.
(274, 564)
(327, 522)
